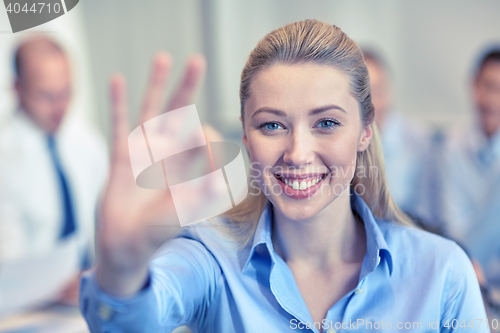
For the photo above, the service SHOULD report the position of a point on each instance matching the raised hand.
(134, 221)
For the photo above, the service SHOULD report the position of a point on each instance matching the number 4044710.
(17, 7)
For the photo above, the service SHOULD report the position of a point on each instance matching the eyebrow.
(311, 113)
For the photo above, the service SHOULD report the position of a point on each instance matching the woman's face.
(302, 131)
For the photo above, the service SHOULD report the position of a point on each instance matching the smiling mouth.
(300, 184)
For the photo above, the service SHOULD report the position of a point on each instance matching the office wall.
(429, 45)
(123, 37)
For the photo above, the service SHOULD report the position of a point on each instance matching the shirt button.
(378, 260)
(331, 330)
(358, 290)
(104, 312)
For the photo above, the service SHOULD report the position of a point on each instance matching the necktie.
(69, 225)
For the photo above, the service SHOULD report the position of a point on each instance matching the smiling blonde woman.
(318, 245)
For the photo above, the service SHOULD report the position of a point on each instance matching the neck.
(490, 133)
(331, 237)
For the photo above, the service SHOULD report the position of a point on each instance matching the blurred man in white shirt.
(52, 169)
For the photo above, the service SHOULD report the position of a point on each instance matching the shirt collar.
(25, 120)
(28, 124)
(375, 242)
(478, 141)
(262, 235)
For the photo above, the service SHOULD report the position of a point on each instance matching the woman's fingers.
(119, 116)
(193, 76)
(160, 70)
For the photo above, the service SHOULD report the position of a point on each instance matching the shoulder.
(15, 134)
(437, 265)
(185, 251)
(437, 268)
(458, 136)
(409, 129)
(460, 149)
(215, 234)
(199, 251)
(83, 133)
(420, 249)
(20, 142)
(208, 241)
(8, 142)
(415, 129)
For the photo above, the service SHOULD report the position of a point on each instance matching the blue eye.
(270, 126)
(327, 123)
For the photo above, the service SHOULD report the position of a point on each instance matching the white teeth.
(303, 185)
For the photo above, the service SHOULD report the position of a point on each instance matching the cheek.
(482, 100)
(340, 158)
(263, 156)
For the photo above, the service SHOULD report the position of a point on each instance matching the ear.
(17, 86)
(366, 138)
(245, 139)
(475, 87)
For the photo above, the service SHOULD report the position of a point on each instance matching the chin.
(296, 212)
(52, 128)
(56, 125)
(304, 209)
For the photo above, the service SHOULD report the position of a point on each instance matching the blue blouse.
(410, 280)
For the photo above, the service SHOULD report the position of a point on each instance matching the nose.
(299, 150)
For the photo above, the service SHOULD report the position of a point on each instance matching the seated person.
(52, 170)
(317, 244)
(406, 146)
(470, 171)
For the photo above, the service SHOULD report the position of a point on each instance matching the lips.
(299, 187)
(300, 183)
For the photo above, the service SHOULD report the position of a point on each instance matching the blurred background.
(430, 50)
(430, 46)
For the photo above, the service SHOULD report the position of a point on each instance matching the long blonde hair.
(317, 42)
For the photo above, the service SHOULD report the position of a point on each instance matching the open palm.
(134, 221)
